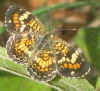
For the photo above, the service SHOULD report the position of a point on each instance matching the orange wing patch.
(19, 47)
(44, 61)
(23, 45)
(16, 20)
(34, 25)
(62, 48)
(43, 66)
(71, 66)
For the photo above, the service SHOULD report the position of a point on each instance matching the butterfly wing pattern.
(23, 38)
(45, 54)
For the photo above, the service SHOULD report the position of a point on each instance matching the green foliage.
(89, 41)
(15, 83)
(98, 84)
(65, 5)
(2, 30)
(2, 2)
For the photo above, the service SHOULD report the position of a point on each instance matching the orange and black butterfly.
(45, 54)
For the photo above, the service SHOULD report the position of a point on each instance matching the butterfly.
(45, 54)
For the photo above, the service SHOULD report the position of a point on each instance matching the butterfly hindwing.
(42, 64)
(71, 60)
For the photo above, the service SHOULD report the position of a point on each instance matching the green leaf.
(98, 84)
(11, 82)
(65, 5)
(2, 30)
(72, 84)
(89, 40)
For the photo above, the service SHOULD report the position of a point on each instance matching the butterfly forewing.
(19, 47)
(20, 20)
